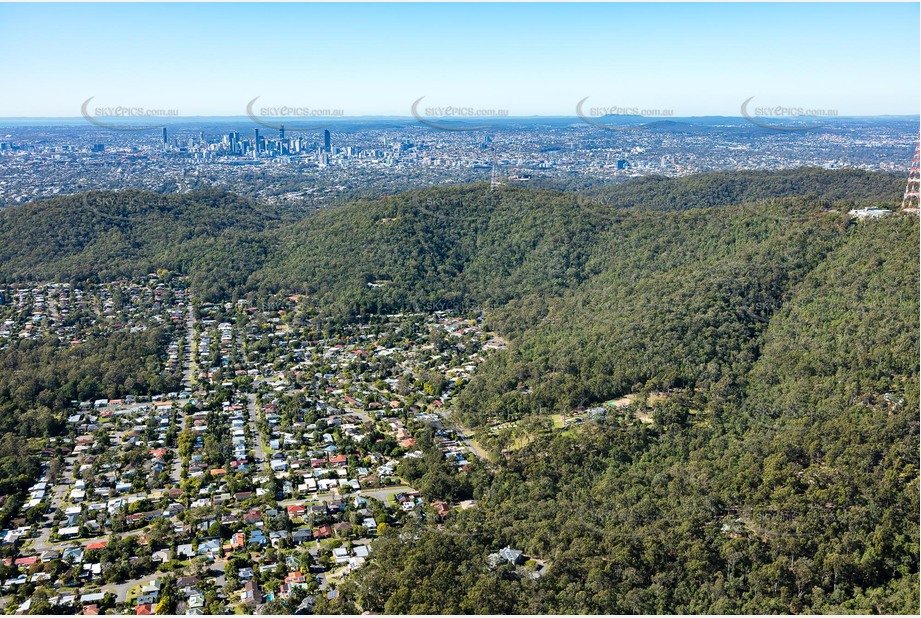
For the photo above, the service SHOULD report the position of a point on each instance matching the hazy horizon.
(693, 60)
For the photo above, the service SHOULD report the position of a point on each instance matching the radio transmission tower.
(494, 183)
(910, 201)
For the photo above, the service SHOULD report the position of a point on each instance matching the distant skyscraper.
(256, 141)
(165, 139)
(281, 132)
(326, 140)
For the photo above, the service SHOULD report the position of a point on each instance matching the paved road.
(258, 446)
(383, 494)
(41, 543)
(176, 472)
(121, 590)
(463, 434)
(378, 494)
(188, 380)
(58, 492)
(218, 566)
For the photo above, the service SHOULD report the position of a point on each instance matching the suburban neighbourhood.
(260, 481)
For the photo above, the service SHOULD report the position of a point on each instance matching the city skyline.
(528, 61)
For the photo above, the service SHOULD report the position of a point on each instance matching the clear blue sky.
(531, 59)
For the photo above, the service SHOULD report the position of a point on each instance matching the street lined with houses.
(280, 449)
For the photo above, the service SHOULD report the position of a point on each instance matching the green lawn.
(133, 593)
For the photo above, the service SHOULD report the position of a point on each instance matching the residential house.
(251, 594)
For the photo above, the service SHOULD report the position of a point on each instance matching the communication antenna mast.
(494, 184)
(910, 201)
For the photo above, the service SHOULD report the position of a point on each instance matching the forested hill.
(216, 237)
(597, 300)
(788, 484)
(720, 189)
(436, 244)
(768, 463)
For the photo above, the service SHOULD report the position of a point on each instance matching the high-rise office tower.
(326, 141)
(281, 132)
(165, 139)
(256, 141)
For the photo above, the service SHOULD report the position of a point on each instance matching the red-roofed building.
(238, 541)
(296, 510)
(147, 609)
(29, 561)
(91, 610)
(97, 545)
(295, 577)
(338, 460)
(441, 508)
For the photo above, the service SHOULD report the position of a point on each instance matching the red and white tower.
(910, 201)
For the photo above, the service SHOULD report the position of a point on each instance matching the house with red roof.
(295, 577)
